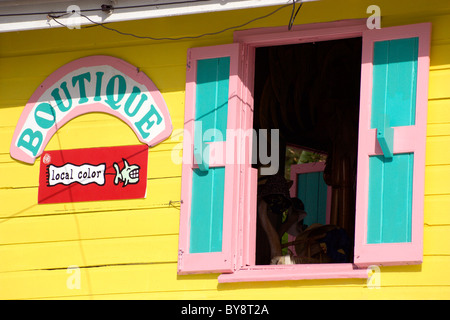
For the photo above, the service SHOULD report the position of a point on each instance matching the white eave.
(34, 14)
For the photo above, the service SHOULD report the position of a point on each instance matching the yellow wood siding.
(127, 249)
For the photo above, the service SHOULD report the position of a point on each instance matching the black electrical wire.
(293, 16)
(186, 37)
(103, 25)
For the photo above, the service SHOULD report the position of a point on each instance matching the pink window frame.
(246, 270)
(250, 40)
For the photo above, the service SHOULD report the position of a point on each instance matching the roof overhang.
(34, 14)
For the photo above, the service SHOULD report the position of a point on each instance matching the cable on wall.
(104, 25)
(293, 16)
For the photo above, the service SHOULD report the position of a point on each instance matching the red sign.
(93, 174)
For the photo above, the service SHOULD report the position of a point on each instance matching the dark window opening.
(310, 92)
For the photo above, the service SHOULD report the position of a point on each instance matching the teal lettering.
(27, 138)
(80, 79)
(145, 121)
(98, 86)
(58, 100)
(110, 90)
(44, 115)
(130, 100)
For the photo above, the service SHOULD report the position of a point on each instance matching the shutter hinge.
(180, 259)
(385, 137)
(188, 63)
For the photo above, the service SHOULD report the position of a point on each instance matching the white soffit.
(33, 14)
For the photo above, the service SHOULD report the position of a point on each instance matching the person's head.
(275, 192)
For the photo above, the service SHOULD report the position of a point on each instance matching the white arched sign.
(91, 84)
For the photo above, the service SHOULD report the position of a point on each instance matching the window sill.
(295, 272)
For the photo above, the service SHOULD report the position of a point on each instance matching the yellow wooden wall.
(128, 249)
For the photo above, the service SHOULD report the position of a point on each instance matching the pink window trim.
(218, 261)
(295, 272)
(262, 37)
(246, 270)
(406, 139)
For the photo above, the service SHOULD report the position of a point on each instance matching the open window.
(310, 92)
(354, 98)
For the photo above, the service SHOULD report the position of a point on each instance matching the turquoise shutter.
(208, 184)
(393, 105)
(206, 240)
(313, 191)
(389, 217)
